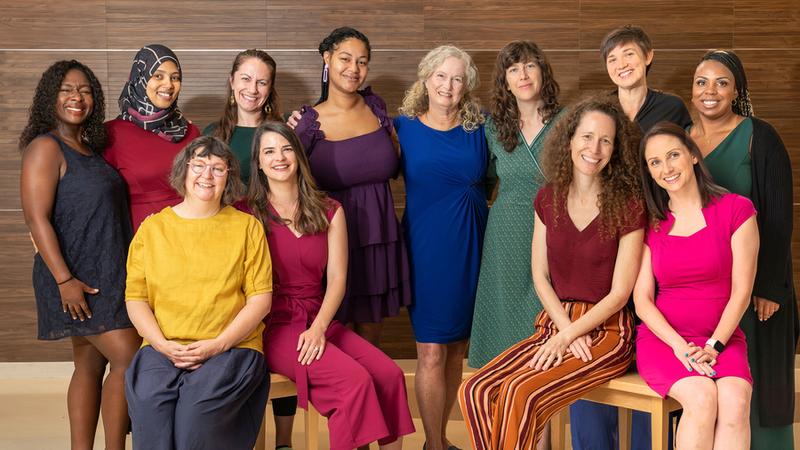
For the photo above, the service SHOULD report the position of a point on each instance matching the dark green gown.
(730, 165)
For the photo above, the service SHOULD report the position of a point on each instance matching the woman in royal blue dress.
(444, 158)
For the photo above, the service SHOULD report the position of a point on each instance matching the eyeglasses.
(199, 168)
(83, 91)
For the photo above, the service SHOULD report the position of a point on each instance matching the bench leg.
(659, 425)
(624, 418)
(312, 428)
(558, 429)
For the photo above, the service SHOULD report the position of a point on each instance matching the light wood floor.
(33, 413)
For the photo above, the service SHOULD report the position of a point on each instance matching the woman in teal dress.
(251, 99)
(745, 155)
(524, 104)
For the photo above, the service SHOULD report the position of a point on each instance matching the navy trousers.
(594, 426)
(217, 406)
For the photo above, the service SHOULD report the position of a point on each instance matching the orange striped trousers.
(506, 405)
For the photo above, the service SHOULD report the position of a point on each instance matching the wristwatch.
(716, 345)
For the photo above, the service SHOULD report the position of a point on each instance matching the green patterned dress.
(730, 165)
(506, 304)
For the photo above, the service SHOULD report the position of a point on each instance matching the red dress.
(356, 386)
(144, 160)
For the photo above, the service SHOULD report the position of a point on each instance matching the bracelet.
(71, 277)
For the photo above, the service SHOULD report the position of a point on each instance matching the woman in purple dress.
(358, 388)
(349, 140)
(701, 251)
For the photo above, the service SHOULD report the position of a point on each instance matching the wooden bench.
(280, 386)
(628, 392)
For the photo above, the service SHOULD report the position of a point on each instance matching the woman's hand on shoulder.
(294, 119)
(311, 345)
(73, 300)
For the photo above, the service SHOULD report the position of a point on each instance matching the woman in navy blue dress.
(444, 157)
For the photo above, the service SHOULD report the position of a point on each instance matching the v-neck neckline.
(284, 224)
(588, 225)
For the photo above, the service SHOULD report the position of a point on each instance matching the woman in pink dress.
(700, 251)
(356, 386)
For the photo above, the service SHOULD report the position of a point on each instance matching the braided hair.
(329, 44)
(741, 104)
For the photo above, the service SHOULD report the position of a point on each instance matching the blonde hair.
(415, 102)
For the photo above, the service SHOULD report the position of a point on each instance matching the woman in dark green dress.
(745, 155)
(251, 99)
(524, 104)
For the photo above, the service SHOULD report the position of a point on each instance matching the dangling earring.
(325, 74)
(232, 100)
(267, 108)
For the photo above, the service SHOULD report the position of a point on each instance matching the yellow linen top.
(196, 274)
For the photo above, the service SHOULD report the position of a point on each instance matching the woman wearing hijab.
(149, 131)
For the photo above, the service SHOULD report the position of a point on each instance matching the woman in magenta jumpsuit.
(356, 386)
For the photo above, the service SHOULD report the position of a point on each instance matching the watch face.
(719, 346)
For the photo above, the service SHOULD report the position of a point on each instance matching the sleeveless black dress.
(93, 226)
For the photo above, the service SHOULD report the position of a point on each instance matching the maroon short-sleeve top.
(581, 262)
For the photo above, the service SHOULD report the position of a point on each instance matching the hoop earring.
(325, 74)
(232, 100)
(267, 108)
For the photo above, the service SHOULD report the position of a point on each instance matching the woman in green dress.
(745, 155)
(524, 104)
(251, 99)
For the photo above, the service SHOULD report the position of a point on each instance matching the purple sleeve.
(307, 128)
(378, 107)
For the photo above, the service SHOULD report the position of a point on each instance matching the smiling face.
(276, 158)
(593, 143)
(524, 80)
(670, 163)
(713, 89)
(206, 178)
(251, 85)
(348, 65)
(627, 65)
(447, 83)
(165, 85)
(74, 102)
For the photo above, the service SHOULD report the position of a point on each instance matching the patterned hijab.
(134, 105)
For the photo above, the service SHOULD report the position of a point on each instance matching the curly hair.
(312, 203)
(42, 115)
(329, 44)
(621, 185)
(415, 101)
(503, 104)
(271, 110)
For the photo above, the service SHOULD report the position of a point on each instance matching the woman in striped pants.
(587, 244)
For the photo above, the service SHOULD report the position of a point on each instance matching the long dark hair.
(621, 187)
(312, 204)
(656, 197)
(329, 44)
(42, 115)
(271, 110)
(505, 112)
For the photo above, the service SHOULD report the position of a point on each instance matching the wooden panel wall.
(207, 34)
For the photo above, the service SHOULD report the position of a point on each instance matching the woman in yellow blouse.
(199, 283)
